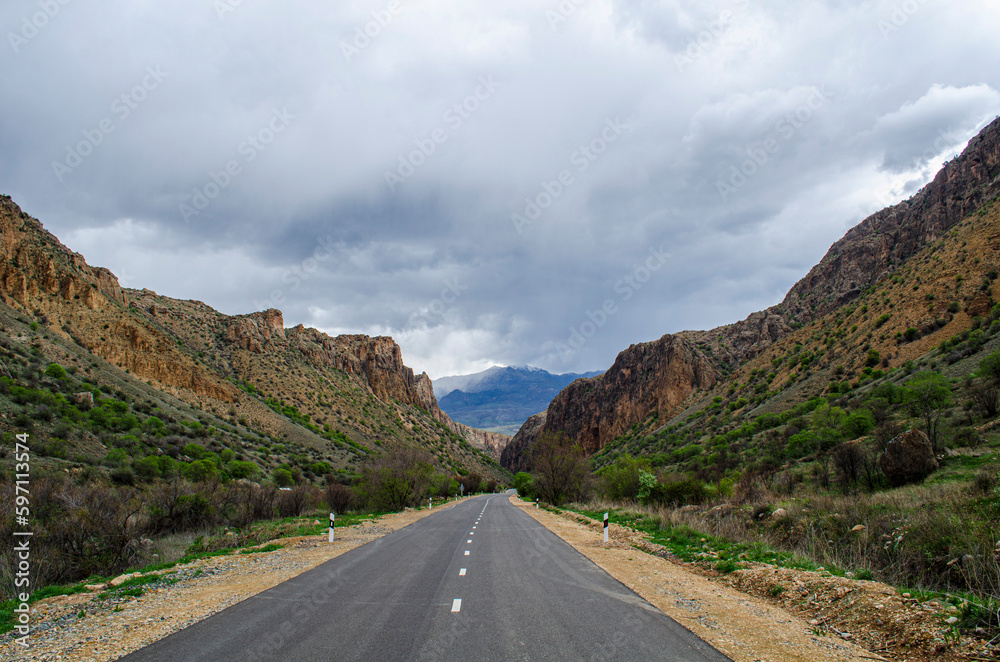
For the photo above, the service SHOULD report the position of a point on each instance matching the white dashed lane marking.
(466, 552)
(456, 605)
(461, 573)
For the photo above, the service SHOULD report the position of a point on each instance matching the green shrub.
(524, 484)
(147, 468)
(55, 371)
(283, 477)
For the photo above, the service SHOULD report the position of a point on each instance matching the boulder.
(908, 458)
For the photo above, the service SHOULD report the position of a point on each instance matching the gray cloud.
(359, 165)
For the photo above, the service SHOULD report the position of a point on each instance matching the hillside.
(669, 374)
(500, 398)
(294, 397)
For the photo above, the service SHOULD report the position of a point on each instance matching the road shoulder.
(743, 627)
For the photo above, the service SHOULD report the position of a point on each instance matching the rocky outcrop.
(737, 343)
(645, 378)
(256, 331)
(908, 458)
(878, 245)
(515, 456)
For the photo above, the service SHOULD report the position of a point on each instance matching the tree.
(928, 394)
(620, 480)
(989, 368)
(525, 485)
(559, 467)
(397, 479)
(859, 423)
(283, 477)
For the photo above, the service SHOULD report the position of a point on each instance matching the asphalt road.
(478, 582)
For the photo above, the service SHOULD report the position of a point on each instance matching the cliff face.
(43, 278)
(654, 379)
(515, 456)
(651, 377)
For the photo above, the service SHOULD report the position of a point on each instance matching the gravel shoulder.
(111, 628)
(813, 617)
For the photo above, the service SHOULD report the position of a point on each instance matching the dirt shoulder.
(84, 628)
(811, 618)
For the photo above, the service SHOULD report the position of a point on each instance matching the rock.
(859, 528)
(780, 513)
(515, 455)
(908, 458)
(95, 587)
(121, 579)
(84, 397)
(649, 377)
(951, 620)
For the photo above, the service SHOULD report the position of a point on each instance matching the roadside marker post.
(332, 518)
(605, 527)
(536, 503)
(430, 503)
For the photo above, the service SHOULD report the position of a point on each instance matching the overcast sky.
(520, 182)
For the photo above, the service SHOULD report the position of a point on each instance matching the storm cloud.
(509, 183)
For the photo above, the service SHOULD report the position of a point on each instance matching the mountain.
(279, 396)
(857, 281)
(500, 397)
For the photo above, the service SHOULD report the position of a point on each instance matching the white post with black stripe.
(605, 527)
(332, 518)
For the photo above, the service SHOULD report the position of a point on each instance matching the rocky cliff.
(515, 456)
(43, 278)
(651, 377)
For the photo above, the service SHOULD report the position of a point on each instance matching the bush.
(339, 498)
(201, 471)
(859, 423)
(239, 469)
(283, 477)
(147, 468)
(525, 485)
(55, 371)
(679, 493)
